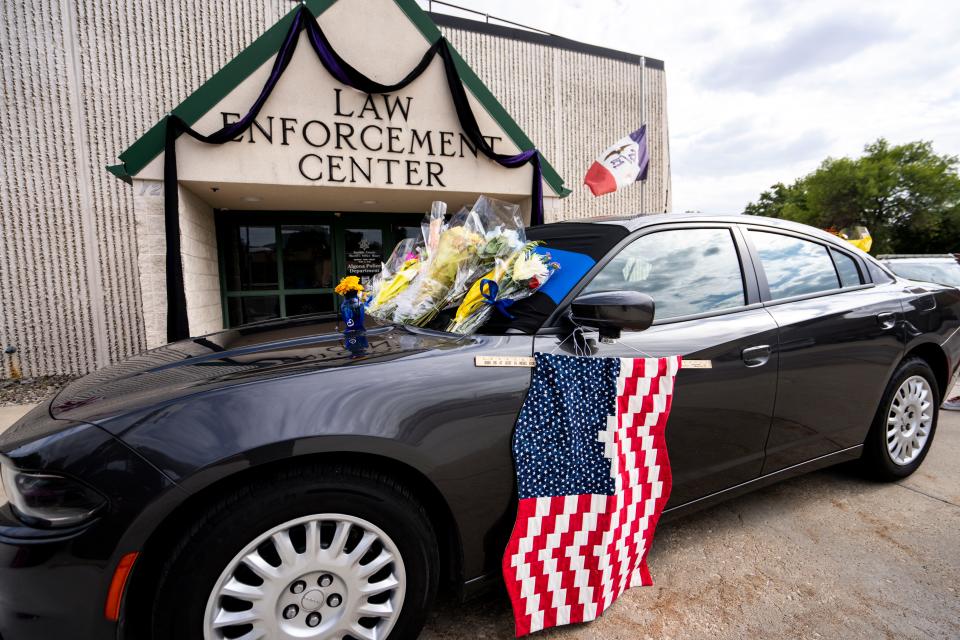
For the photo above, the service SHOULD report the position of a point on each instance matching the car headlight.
(46, 499)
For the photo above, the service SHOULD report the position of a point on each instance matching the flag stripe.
(572, 555)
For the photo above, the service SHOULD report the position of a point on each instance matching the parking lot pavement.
(9, 415)
(828, 555)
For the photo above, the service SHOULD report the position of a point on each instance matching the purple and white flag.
(623, 163)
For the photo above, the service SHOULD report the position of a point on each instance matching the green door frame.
(338, 223)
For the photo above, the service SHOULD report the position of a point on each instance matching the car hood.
(239, 356)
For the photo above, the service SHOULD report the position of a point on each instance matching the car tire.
(212, 557)
(902, 431)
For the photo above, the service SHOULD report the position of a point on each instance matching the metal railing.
(486, 16)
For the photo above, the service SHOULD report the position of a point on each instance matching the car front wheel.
(316, 553)
(903, 428)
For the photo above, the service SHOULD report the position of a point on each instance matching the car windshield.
(941, 272)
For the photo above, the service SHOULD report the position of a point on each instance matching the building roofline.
(151, 144)
(547, 40)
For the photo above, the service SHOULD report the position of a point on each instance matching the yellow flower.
(398, 283)
(348, 284)
(474, 298)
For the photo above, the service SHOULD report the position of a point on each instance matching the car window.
(794, 267)
(847, 268)
(685, 271)
(878, 275)
(940, 272)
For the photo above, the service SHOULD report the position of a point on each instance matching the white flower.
(512, 238)
(527, 267)
(509, 237)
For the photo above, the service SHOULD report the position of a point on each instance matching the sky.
(762, 91)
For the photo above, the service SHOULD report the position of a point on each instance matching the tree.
(906, 195)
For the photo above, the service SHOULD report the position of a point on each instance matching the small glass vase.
(351, 310)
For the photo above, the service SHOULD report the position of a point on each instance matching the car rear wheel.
(318, 553)
(903, 428)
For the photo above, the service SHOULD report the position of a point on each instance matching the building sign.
(364, 252)
(348, 145)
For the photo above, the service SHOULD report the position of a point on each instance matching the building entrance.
(285, 264)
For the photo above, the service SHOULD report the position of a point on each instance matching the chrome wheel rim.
(909, 420)
(327, 576)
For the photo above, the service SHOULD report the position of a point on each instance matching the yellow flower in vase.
(350, 284)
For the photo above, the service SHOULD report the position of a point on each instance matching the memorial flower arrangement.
(456, 247)
(400, 269)
(512, 279)
(474, 263)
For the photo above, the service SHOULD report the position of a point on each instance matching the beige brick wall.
(201, 280)
(198, 247)
(151, 259)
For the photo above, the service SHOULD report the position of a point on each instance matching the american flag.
(593, 477)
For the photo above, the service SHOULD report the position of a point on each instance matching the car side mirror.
(611, 311)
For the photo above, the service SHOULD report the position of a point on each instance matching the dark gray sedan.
(283, 480)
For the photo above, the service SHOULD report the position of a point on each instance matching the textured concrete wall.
(84, 78)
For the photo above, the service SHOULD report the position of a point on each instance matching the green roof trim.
(120, 171)
(198, 103)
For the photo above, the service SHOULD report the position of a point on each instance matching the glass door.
(280, 265)
(275, 271)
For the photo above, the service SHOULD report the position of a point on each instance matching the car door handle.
(756, 356)
(887, 320)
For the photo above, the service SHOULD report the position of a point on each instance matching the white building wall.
(150, 250)
(201, 269)
(84, 78)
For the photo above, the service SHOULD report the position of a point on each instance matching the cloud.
(827, 41)
(737, 147)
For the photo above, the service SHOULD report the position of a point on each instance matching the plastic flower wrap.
(421, 302)
(467, 247)
(400, 269)
(433, 224)
(856, 235)
(503, 236)
(510, 280)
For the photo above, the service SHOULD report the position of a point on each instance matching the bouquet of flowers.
(400, 269)
(466, 247)
(421, 302)
(351, 309)
(503, 235)
(511, 279)
(480, 255)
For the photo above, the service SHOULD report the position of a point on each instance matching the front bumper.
(54, 582)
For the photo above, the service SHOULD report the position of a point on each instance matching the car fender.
(439, 415)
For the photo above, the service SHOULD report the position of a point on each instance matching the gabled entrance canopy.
(313, 131)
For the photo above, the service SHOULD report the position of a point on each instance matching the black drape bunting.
(178, 326)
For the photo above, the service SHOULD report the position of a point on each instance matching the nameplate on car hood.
(697, 364)
(505, 361)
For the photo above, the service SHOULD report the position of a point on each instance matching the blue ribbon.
(489, 290)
